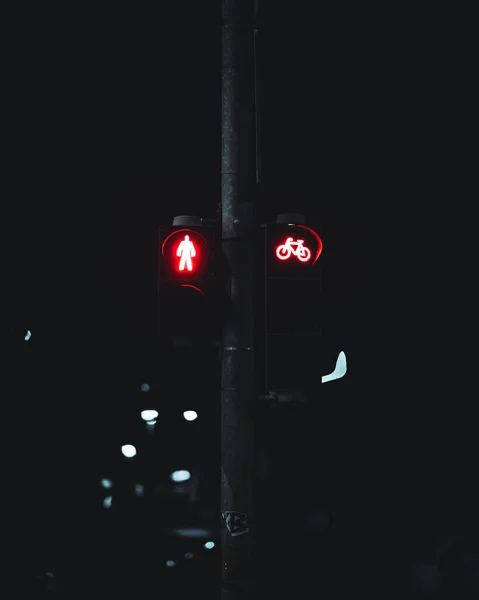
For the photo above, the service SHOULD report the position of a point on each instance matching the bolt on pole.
(238, 220)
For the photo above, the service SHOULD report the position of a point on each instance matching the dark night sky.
(114, 122)
(113, 126)
(116, 129)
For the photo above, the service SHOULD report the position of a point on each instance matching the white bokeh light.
(149, 415)
(190, 415)
(209, 545)
(106, 483)
(28, 335)
(128, 450)
(179, 476)
(191, 532)
(145, 387)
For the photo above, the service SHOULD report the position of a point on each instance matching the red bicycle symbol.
(287, 249)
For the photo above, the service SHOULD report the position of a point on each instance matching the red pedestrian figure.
(186, 249)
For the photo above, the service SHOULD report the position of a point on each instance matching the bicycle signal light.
(296, 244)
(293, 248)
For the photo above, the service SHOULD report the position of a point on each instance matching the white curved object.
(339, 370)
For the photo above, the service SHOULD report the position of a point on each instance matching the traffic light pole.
(238, 384)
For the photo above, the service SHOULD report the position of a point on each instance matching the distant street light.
(209, 545)
(149, 415)
(179, 476)
(190, 415)
(128, 450)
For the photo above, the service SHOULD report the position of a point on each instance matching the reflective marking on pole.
(224, 479)
(234, 348)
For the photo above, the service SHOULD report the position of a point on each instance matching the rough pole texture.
(238, 387)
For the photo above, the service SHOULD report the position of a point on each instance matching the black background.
(112, 126)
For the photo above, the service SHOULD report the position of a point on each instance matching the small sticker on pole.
(236, 522)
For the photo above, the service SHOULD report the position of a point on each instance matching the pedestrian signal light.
(185, 254)
(187, 296)
(186, 251)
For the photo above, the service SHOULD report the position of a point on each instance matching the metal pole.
(257, 93)
(238, 384)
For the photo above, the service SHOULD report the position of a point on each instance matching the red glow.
(185, 251)
(291, 248)
(194, 287)
(318, 240)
